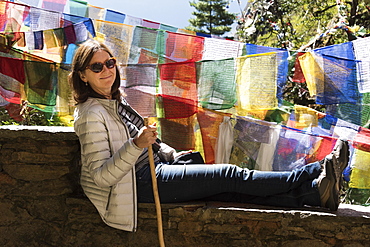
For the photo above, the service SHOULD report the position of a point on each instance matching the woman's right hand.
(146, 136)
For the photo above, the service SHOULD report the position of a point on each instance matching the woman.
(115, 174)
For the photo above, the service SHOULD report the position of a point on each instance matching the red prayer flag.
(175, 107)
(14, 111)
(13, 67)
(362, 139)
(209, 123)
(179, 92)
(182, 47)
(298, 74)
(10, 96)
(325, 147)
(69, 34)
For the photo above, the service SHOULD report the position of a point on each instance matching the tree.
(211, 17)
(293, 24)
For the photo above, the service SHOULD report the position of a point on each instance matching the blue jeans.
(230, 183)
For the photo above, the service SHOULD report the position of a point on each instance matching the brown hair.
(80, 61)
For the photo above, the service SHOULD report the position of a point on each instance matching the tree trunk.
(352, 19)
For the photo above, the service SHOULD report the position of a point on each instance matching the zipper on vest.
(109, 195)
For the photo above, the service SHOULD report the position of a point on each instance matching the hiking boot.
(326, 184)
(340, 157)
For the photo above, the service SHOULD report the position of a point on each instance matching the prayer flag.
(141, 75)
(362, 53)
(293, 149)
(305, 117)
(13, 68)
(146, 40)
(298, 73)
(34, 3)
(55, 5)
(14, 111)
(181, 47)
(133, 21)
(11, 97)
(95, 13)
(41, 19)
(69, 34)
(16, 14)
(3, 15)
(360, 173)
(114, 16)
(142, 99)
(178, 133)
(256, 91)
(215, 49)
(168, 28)
(78, 7)
(216, 84)
(209, 122)
(150, 24)
(179, 97)
(40, 86)
(281, 62)
(39, 40)
(81, 32)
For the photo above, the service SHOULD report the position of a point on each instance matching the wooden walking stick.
(155, 192)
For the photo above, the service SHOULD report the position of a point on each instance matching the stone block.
(190, 226)
(5, 179)
(56, 187)
(13, 213)
(304, 243)
(35, 172)
(6, 156)
(37, 233)
(61, 148)
(294, 231)
(225, 228)
(49, 208)
(39, 158)
(176, 212)
(23, 144)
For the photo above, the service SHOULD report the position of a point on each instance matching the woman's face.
(100, 82)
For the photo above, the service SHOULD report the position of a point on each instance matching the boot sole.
(332, 203)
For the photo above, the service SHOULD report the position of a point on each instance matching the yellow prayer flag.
(360, 175)
(312, 68)
(305, 117)
(256, 78)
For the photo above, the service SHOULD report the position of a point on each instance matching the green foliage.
(30, 117)
(357, 196)
(211, 17)
(293, 24)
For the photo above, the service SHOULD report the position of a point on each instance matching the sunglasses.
(98, 67)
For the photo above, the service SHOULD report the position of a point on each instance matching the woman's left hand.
(182, 153)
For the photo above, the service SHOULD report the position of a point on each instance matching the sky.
(175, 13)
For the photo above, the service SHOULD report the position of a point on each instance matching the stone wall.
(42, 204)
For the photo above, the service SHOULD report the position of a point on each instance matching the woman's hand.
(147, 136)
(175, 155)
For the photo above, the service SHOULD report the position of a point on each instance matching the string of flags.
(194, 83)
